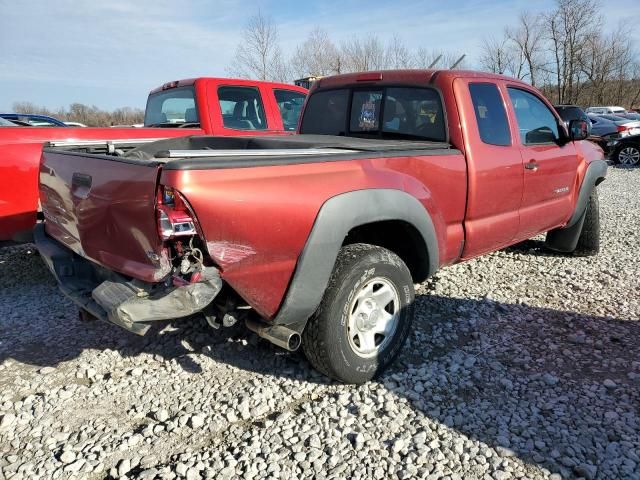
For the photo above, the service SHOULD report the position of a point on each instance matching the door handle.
(531, 165)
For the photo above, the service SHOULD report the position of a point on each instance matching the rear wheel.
(364, 317)
(629, 156)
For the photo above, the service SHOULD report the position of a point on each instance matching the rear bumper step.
(126, 303)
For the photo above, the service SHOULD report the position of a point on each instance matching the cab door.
(550, 165)
(494, 166)
(240, 108)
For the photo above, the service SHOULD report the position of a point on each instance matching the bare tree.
(568, 27)
(316, 56)
(258, 55)
(526, 39)
(501, 56)
(398, 55)
(360, 55)
(566, 54)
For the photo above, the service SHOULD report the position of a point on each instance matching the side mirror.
(579, 129)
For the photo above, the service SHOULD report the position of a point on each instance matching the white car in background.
(74, 124)
(605, 110)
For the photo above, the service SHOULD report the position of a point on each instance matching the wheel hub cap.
(373, 317)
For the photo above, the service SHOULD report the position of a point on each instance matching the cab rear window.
(391, 112)
(175, 106)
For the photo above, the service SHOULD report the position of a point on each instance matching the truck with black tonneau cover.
(316, 240)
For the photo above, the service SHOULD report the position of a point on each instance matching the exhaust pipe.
(277, 334)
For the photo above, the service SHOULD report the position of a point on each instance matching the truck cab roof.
(219, 80)
(404, 77)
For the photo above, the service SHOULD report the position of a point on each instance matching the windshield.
(6, 123)
(391, 112)
(176, 106)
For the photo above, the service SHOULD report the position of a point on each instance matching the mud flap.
(565, 240)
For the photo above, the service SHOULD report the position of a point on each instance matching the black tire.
(589, 240)
(85, 316)
(632, 152)
(325, 340)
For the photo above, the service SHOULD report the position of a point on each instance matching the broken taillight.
(173, 215)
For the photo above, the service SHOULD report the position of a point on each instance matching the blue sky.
(110, 53)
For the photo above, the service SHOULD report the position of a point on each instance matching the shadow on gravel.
(529, 381)
(548, 386)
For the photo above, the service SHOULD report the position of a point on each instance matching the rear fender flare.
(336, 218)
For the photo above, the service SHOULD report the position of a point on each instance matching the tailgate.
(103, 208)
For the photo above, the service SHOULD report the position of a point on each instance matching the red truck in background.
(202, 106)
(318, 239)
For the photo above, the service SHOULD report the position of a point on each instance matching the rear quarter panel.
(256, 220)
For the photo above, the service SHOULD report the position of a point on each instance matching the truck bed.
(211, 152)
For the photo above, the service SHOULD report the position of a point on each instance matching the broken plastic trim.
(127, 303)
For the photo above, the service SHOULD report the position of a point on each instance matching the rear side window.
(414, 111)
(536, 123)
(242, 108)
(392, 112)
(491, 115)
(290, 105)
(326, 113)
(174, 106)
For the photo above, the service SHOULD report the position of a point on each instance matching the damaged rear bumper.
(129, 303)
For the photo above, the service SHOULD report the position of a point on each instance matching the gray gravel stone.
(67, 456)
(196, 421)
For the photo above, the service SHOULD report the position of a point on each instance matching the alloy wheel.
(629, 156)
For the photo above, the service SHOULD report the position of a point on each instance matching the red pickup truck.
(318, 239)
(211, 106)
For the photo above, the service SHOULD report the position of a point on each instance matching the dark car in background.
(570, 112)
(626, 151)
(33, 119)
(604, 132)
(602, 127)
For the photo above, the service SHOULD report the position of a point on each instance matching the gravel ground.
(522, 365)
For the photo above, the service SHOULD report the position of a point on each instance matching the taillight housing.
(173, 215)
(622, 128)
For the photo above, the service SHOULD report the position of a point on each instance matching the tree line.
(259, 55)
(565, 52)
(91, 116)
(568, 54)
